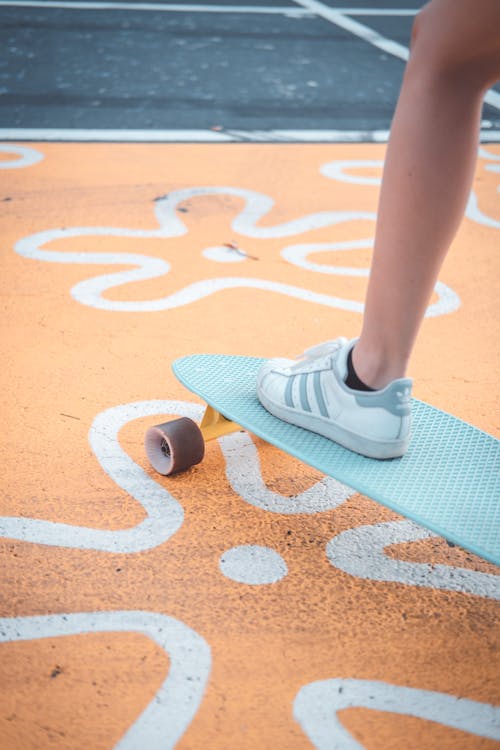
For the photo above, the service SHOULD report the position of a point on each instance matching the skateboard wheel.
(174, 446)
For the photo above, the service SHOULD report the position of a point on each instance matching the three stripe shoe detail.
(307, 382)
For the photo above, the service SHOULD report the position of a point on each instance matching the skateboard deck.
(448, 481)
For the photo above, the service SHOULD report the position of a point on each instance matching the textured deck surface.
(448, 481)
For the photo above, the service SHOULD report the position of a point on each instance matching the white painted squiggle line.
(298, 254)
(29, 156)
(474, 213)
(256, 206)
(89, 293)
(244, 474)
(164, 514)
(317, 704)
(485, 154)
(167, 717)
(494, 168)
(448, 301)
(360, 552)
(335, 170)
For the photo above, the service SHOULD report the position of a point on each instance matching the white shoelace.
(326, 349)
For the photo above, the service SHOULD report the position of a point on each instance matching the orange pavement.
(74, 351)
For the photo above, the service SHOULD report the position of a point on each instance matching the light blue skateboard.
(448, 481)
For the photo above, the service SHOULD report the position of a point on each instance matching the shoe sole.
(381, 450)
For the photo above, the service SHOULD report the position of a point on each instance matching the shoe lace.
(325, 349)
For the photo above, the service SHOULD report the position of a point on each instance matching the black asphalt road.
(164, 69)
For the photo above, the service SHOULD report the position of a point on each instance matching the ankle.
(375, 367)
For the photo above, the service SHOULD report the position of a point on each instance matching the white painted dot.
(223, 255)
(253, 564)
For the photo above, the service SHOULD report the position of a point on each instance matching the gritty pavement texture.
(250, 602)
(215, 587)
(72, 68)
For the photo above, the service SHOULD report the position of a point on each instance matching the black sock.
(352, 380)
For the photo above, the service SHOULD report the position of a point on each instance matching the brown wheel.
(174, 446)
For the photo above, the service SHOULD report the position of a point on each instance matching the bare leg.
(428, 172)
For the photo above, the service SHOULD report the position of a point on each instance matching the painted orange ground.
(70, 353)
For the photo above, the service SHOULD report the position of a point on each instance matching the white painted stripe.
(371, 36)
(378, 11)
(160, 7)
(493, 98)
(109, 135)
(172, 7)
(79, 135)
(354, 27)
(193, 8)
(310, 136)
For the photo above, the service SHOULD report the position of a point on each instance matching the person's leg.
(428, 172)
(431, 155)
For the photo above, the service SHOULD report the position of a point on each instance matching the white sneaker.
(311, 393)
